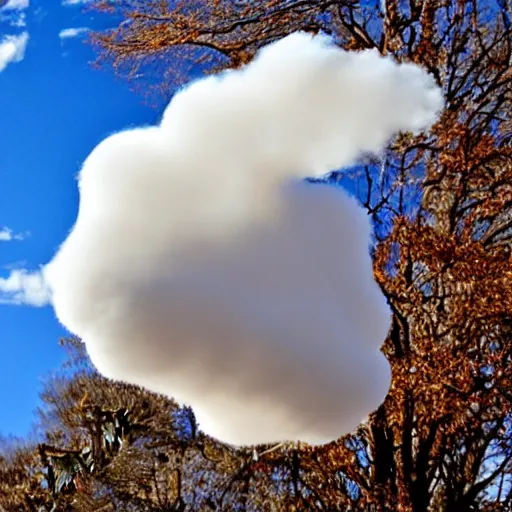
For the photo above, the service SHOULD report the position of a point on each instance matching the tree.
(442, 210)
(441, 204)
(108, 445)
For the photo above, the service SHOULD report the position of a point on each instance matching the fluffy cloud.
(73, 32)
(12, 49)
(24, 288)
(6, 235)
(203, 267)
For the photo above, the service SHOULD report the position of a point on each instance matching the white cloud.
(76, 2)
(24, 288)
(72, 32)
(200, 265)
(12, 49)
(15, 5)
(13, 12)
(7, 234)
(20, 20)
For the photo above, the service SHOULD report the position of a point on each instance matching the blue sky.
(54, 108)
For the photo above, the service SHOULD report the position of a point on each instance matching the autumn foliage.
(442, 208)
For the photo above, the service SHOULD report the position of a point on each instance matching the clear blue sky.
(54, 108)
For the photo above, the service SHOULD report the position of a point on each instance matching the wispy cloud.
(14, 265)
(14, 5)
(76, 2)
(68, 33)
(20, 20)
(13, 12)
(12, 49)
(22, 287)
(7, 235)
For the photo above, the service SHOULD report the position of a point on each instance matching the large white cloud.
(200, 265)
